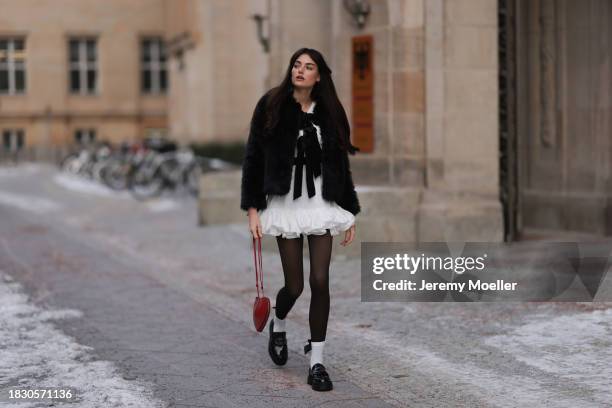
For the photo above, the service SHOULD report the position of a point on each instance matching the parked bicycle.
(146, 168)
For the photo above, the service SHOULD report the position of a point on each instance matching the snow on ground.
(74, 183)
(162, 205)
(577, 347)
(82, 185)
(87, 186)
(35, 354)
(499, 389)
(28, 202)
(19, 169)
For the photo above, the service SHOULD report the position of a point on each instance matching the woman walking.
(296, 182)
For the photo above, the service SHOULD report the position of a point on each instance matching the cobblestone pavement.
(170, 304)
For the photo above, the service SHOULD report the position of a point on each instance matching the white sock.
(279, 325)
(316, 355)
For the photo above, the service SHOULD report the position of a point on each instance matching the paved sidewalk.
(192, 354)
(143, 272)
(36, 355)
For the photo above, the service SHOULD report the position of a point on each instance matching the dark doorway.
(556, 116)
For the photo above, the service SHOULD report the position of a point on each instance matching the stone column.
(295, 24)
(461, 198)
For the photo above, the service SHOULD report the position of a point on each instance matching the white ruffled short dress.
(314, 215)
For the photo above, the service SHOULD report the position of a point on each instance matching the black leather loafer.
(277, 340)
(319, 379)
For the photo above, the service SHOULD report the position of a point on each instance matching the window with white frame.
(83, 65)
(12, 65)
(84, 136)
(154, 76)
(13, 139)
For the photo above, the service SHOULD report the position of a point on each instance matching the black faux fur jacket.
(268, 161)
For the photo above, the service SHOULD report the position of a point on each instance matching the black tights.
(319, 247)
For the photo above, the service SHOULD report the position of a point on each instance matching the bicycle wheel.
(192, 178)
(146, 184)
(71, 164)
(116, 175)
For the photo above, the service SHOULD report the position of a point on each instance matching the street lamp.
(359, 9)
(177, 45)
(264, 41)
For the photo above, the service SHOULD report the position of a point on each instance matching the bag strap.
(258, 266)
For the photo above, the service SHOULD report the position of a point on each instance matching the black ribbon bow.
(309, 154)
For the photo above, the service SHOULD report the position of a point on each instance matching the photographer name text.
(410, 285)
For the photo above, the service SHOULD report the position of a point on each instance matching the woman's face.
(305, 72)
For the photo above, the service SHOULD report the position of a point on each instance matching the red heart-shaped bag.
(261, 307)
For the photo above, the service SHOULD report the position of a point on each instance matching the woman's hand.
(349, 235)
(254, 224)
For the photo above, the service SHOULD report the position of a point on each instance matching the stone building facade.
(217, 68)
(434, 164)
(434, 171)
(72, 70)
(490, 117)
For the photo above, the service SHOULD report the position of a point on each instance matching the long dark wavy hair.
(323, 93)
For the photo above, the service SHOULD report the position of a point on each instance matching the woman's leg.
(291, 253)
(291, 258)
(320, 247)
